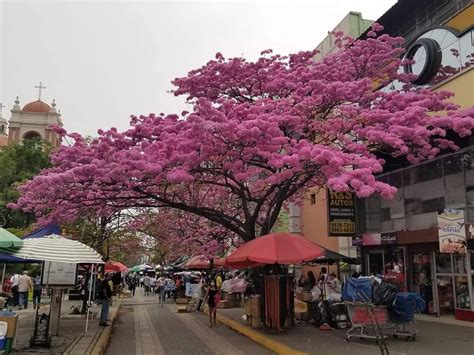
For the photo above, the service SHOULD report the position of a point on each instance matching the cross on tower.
(1, 108)
(40, 87)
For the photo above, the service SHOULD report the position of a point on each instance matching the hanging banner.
(341, 214)
(452, 231)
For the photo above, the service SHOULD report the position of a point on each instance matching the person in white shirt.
(24, 286)
(152, 284)
(162, 289)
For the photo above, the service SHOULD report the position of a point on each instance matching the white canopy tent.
(55, 248)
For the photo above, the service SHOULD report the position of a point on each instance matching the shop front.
(444, 280)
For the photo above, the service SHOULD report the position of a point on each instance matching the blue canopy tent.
(48, 230)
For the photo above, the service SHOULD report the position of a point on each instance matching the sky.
(105, 60)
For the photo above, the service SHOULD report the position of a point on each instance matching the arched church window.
(32, 135)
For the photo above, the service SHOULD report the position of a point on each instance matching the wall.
(352, 24)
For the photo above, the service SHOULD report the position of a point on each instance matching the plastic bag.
(357, 289)
(384, 294)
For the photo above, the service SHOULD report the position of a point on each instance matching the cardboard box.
(225, 304)
(230, 296)
(256, 322)
(12, 324)
(182, 309)
(182, 301)
(247, 306)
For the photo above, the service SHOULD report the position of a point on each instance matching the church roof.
(37, 106)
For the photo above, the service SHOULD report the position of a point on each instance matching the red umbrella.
(197, 262)
(275, 248)
(202, 262)
(115, 266)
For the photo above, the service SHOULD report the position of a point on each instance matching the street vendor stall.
(275, 288)
(60, 258)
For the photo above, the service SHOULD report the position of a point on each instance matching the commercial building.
(401, 237)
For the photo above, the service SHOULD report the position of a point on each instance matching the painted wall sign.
(341, 214)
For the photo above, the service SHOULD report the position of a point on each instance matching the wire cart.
(368, 321)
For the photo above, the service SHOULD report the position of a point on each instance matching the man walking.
(146, 283)
(24, 286)
(14, 280)
(104, 297)
(37, 291)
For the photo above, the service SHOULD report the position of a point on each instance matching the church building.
(33, 120)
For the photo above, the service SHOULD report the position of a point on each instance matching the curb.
(267, 342)
(104, 337)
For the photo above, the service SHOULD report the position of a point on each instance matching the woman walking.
(211, 302)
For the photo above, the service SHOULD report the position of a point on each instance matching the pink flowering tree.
(177, 233)
(259, 133)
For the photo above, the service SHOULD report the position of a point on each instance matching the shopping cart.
(402, 315)
(368, 321)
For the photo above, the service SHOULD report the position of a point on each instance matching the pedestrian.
(200, 293)
(37, 291)
(104, 298)
(85, 293)
(142, 278)
(146, 284)
(211, 302)
(132, 285)
(24, 286)
(14, 280)
(178, 284)
(152, 284)
(162, 290)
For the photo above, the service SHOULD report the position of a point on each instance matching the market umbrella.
(275, 248)
(141, 267)
(9, 240)
(56, 248)
(202, 262)
(197, 262)
(115, 266)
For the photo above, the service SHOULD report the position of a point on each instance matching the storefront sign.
(379, 239)
(58, 274)
(388, 238)
(371, 239)
(341, 214)
(357, 241)
(452, 231)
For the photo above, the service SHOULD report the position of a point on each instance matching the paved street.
(145, 327)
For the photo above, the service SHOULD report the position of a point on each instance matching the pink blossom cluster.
(259, 133)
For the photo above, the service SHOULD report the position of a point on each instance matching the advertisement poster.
(452, 231)
(341, 214)
(58, 274)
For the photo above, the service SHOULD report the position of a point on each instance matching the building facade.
(400, 237)
(310, 217)
(35, 120)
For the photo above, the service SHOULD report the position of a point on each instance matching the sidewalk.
(71, 333)
(433, 337)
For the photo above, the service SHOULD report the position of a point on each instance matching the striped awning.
(56, 248)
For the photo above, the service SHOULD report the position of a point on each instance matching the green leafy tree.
(18, 163)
